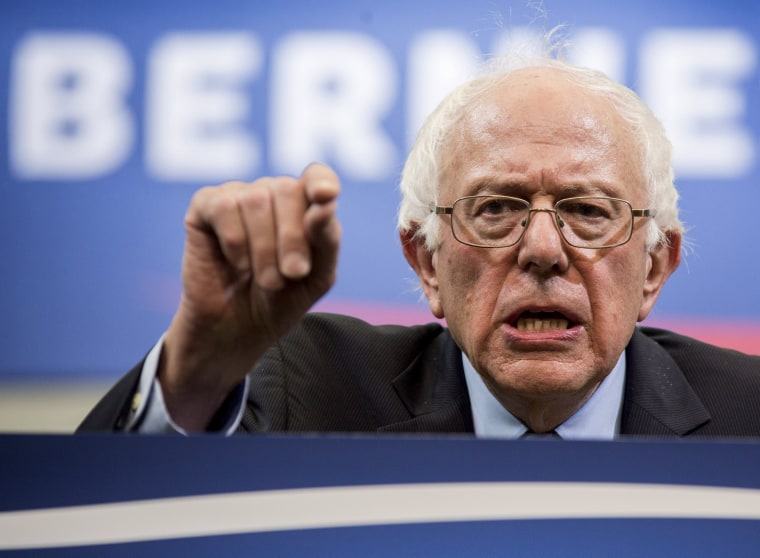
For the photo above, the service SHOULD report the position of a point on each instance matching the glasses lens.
(489, 220)
(595, 222)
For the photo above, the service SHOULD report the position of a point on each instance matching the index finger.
(321, 184)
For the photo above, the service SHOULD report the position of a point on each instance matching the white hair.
(421, 175)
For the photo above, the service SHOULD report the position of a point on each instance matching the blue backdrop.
(114, 113)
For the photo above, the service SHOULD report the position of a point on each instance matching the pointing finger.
(320, 183)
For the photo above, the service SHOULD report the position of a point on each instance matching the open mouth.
(542, 321)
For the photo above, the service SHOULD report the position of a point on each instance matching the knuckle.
(199, 211)
(219, 205)
(234, 240)
(287, 185)
(254, 198)
(201, 197)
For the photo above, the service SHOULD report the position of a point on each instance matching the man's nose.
(542, 247)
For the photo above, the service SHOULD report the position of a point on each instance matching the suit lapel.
(658, 400)
(434, 391)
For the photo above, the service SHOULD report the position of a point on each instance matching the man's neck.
(598, 418)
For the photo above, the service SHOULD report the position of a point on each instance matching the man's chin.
(541, 380)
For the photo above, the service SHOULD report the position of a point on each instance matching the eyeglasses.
(501, 221)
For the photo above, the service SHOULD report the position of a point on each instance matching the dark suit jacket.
(339, 374)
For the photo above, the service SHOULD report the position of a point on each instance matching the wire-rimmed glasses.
(501, 221)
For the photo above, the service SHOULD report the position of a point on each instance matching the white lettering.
(196, 107)
(690, 79)
(601, 49)
(330, 93)
(69, 119)
(439, 61)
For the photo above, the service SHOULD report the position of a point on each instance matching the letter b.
(68, 115)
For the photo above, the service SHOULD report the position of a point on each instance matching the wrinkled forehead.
(539, 106)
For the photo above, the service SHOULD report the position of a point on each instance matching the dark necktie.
(530, 435)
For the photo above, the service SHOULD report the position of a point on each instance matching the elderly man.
(540, 216)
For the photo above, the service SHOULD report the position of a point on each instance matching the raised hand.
(257, 257)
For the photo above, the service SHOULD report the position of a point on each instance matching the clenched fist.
(257, 257)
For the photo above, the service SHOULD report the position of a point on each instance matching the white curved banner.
(351, 506)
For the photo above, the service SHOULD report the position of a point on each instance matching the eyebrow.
(523, 190)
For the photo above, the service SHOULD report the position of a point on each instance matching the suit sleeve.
(112, 412)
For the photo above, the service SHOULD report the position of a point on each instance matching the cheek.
(458, 278)
(615, 293)
(470, 286)
(463, 272)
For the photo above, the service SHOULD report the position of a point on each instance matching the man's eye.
(493, 207)
(497, 207)
(587, 210)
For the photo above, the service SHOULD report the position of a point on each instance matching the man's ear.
(423, 262)
(663, 261)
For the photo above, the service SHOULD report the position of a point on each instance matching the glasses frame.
(449, 210)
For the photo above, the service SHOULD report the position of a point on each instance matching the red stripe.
(739, 334)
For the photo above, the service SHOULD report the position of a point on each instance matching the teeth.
(537, 324)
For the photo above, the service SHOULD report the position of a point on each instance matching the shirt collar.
(597, 419)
